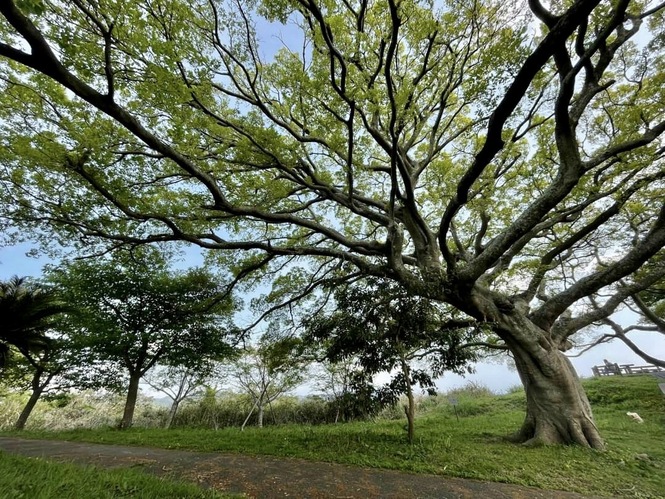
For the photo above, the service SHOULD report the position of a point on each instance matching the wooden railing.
(614, 369)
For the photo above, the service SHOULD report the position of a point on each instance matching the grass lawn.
(31, 478)
(632, 466)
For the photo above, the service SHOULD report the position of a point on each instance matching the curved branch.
(648, 313)
(620, 334)
(565, 26)
(565, 328)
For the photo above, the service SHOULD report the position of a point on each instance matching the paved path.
(269, 477)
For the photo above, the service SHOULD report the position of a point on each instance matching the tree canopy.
(27, 312)
(502, 157)
(387, 330)
(133, 311)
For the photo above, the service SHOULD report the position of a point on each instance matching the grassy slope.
(30, 478)
(471, 447)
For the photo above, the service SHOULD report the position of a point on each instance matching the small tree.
(179, 383)
(133, 312)
(389, 330)
(265, 373)
(334, 379)
(33, 371)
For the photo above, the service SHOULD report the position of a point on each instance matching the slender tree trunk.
(172, 413)
(27, 410)
(259, 416)
(410, 409)
(410, 412)
(130, 403)
(256, 403)
(558, 410)
(37, 390)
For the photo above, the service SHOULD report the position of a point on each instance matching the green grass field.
(632, 466)
(32, 478)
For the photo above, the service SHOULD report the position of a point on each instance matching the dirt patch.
(269, 477)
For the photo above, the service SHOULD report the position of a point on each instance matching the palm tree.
(26, 313)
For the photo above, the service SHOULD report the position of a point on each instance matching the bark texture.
(130, 403)
(38, 387)
(558, 411)
(259, 417)
(557, 408)
(27, 410)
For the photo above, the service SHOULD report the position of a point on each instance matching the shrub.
(472, 389)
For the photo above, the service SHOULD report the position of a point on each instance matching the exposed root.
(548, 431)
(536, 442)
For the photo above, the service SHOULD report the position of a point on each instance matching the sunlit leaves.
(132, 310)
(31, 6)
(328, 128)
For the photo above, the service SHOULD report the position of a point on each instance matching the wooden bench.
(607, 369)
(614, 369)
(633, 369)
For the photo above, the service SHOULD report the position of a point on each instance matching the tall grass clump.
(85, 409)
(230, 410)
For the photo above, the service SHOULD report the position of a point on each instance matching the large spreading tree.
(492, 155)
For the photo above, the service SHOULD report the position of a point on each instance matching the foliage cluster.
(28, 311)
(108, 322)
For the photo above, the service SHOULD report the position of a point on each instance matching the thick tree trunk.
(558, 410)
(130, 403)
